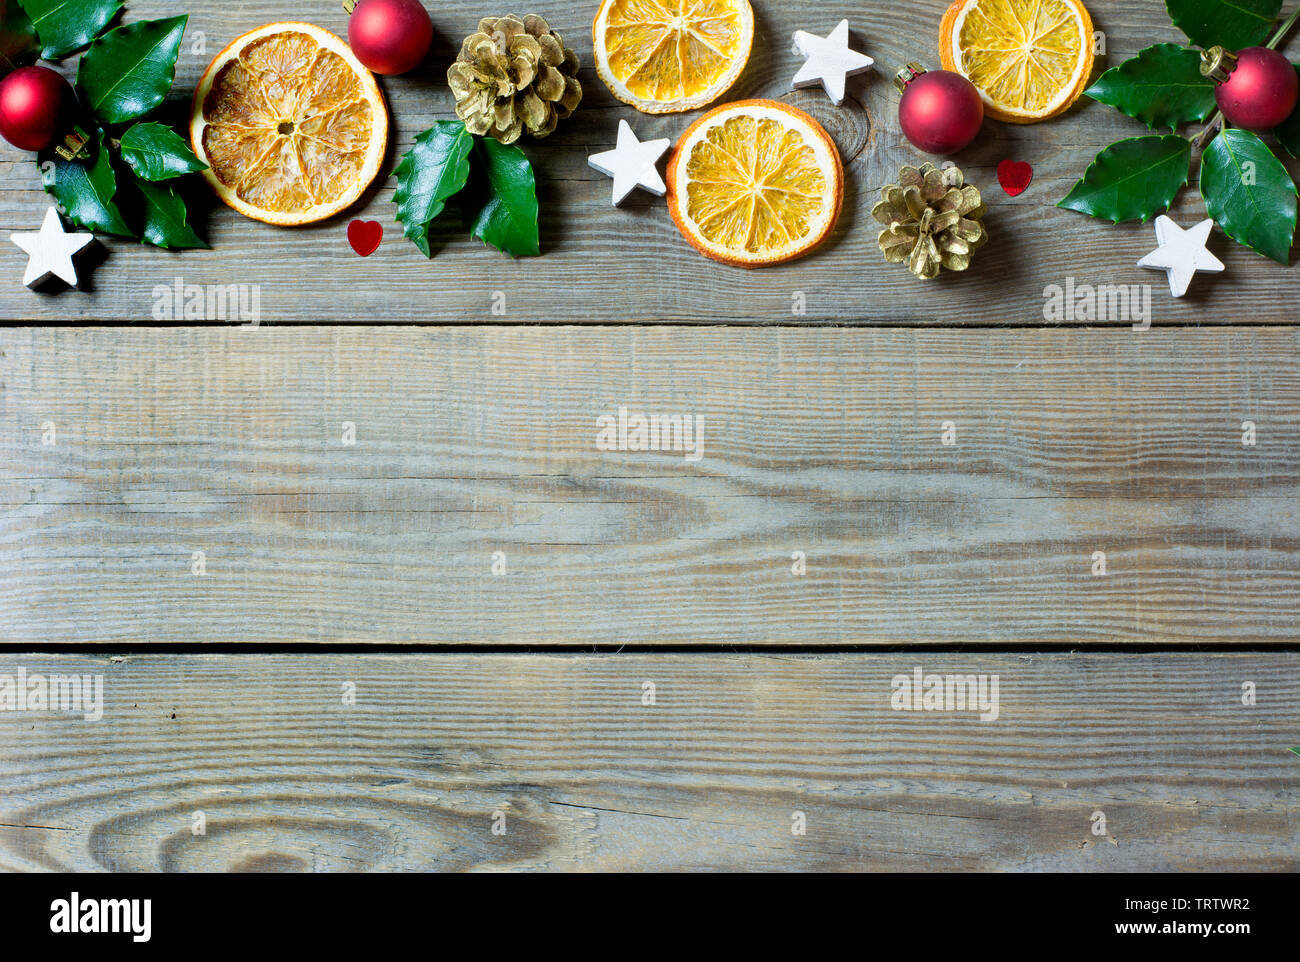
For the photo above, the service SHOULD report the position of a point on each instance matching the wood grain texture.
(612, 266)
(471, 441)
(588, 778)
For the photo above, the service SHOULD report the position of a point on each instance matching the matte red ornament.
(31, 101)
(941, 112)
(390, 36)
(1258, 87)
(1015, 176)
(365, 236)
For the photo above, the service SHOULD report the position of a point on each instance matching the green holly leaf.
(1288, 134)
(1249, 193)
(68, 25)
(18, 45)
(86, 188)
(435, 170)
(1231, 23)
(1162, 87)
(1133, 179)
(127, 72)
(501, 209)
(165, 218)
(156, 152)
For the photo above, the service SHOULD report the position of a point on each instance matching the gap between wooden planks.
(479, 446)
(562, 752)
(631, 265)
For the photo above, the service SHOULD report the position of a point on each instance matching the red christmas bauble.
(941, 111)
(390, 36)
(31, 99)
(1261, 90)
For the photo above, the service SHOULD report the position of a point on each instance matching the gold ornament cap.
(74, 145)
(907, 75)
(1217, 64)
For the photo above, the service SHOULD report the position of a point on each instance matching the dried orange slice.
(755, 183)
(666, 56)
(292, 127)
(1029, 59)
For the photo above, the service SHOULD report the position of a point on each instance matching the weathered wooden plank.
(409, 778)
(476, 441)
(631, 265)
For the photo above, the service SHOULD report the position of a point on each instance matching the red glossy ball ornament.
(31, 100)
(941, 112)
(1258, 87)
(390, 36)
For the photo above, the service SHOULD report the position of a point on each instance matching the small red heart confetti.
(365, 236)
(1014, 176)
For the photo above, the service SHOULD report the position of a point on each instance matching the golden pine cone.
(514, 76)
(933, 220)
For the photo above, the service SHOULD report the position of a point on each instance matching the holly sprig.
(1245, 187)
(492, 183)
(118, 175)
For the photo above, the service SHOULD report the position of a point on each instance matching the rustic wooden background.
(474, 441)
(709, 778)
(475, 434)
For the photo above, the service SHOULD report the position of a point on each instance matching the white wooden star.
(632, 164)
(829, 61)
(1181, 253)
(50, 250)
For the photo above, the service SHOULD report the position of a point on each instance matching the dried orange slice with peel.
(755, 183)
(292, 127)
(1029, 59)
(666, 56)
